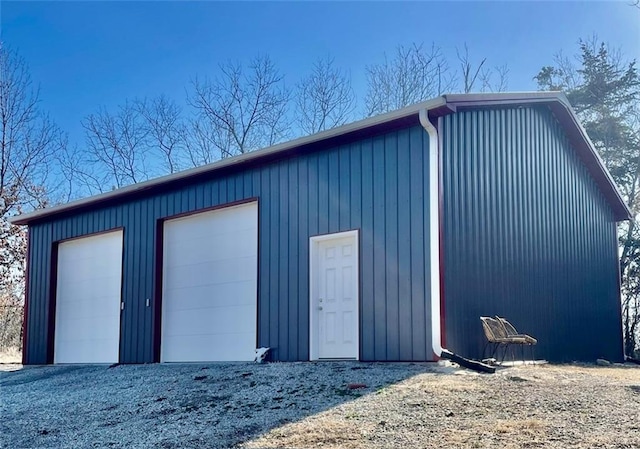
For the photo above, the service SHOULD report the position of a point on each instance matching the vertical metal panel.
(332, 191)
(302, 187)
(379, 252)
(355, 184)
(418, 258)
(376, 185)
(264, 250)
(293, 268)
(32, 319)
(404, 251)
(273, 234)
(344, 187)
(527, 235)
(368, 279)
(283, 231)
(392, 325)
(323, 192)
(39, 281)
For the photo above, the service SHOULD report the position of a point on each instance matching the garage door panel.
(89, 351)
(211, 273)
(87, 328)
(227, 220)
(212, 247)
(232, 347)
(86, 270)
(203, 296)
(212, 320)
(88, 296)
(207, 227)
(209, 308)
(78, 310)
(95, 287)
(79, 250)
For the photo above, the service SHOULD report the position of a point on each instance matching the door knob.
(319, 307)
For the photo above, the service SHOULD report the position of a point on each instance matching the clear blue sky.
(87, 54)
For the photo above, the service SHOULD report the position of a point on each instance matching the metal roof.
(439, 106)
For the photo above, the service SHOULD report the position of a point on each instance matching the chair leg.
(504, 354)
(533, 356)
(496, 346)
(484, 350)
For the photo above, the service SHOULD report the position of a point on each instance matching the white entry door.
(209, 294)
(88, 295)
(334, 296)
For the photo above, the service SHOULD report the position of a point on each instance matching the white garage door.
(88, 295)
(210, 278)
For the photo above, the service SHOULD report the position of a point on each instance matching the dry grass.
(320, 431)
(569, 406)
(533, 427)
(625, 373)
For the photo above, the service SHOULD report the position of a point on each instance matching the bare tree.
(469, 74)
(116, 152)
(142, 139)
(29, 145)
(487, 79)
(163, 126)
(12, 256)
(244, 109)
(200, 143)
(413, 74)
(496, 80)
(324, 98)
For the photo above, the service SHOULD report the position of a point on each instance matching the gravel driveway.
(305, 405)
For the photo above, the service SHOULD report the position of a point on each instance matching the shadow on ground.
(177, 406)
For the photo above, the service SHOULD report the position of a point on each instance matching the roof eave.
(361, 125)
(439, 106)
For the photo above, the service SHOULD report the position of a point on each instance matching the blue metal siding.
(375, 185)
(527, 235)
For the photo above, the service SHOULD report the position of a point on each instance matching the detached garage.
(382, 240)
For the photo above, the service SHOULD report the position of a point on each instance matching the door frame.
(314, 245)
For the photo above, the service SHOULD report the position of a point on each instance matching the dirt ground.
(347, 405)
(546, 406)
